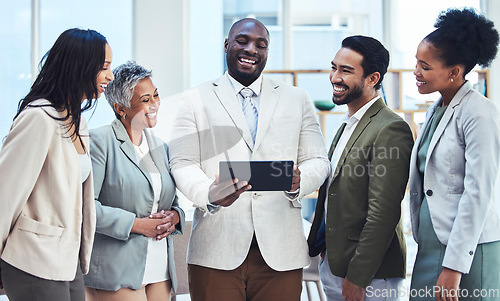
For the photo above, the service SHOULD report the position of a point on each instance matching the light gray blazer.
(123, 190)
(459, 181)
(210, 127)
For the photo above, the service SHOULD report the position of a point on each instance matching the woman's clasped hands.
(160, 224)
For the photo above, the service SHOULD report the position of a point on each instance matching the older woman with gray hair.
(137, 208)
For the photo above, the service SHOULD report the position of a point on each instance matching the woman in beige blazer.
(454, 165)
(47, 220)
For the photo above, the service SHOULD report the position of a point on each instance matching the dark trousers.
(253, 280)
(21, 286)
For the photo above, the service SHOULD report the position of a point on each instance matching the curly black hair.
(464, 37)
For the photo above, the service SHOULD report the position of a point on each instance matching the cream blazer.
(47, 217)
(210, 127)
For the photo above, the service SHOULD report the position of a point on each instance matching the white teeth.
(420, 83)
(104, 86)
(247, 61)
(151, 115)
(338, 89)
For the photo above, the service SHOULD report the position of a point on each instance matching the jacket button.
(428, 192)
(471, 253)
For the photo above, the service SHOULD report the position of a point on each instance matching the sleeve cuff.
(212, 208)
(292, 195)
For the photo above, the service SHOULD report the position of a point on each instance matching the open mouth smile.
(420, 83)
(103, 87)
(338, 90)
(151, 115)
(247, 62)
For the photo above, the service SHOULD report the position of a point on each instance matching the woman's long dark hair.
(68, 73)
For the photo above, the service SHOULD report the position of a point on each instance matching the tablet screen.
(262, 175)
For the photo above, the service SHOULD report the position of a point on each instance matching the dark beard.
(353, 95)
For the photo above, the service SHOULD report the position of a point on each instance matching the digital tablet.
(262, 175)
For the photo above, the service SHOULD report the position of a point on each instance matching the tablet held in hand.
(262, 175)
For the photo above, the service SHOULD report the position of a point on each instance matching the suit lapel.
(428, 116)
(448, 114)
(127, 147)
(232, 105)
(414, 173)
(360, 127)
(320, 206)
(268, 100)
(335, 140)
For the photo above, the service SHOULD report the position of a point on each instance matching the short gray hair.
(121, 89)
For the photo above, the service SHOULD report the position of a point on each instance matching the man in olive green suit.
(362, 244)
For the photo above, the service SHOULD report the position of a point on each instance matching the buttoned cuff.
(212, 208)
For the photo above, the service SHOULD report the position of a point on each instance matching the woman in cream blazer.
(47, 220)
(454, 165)
(137, 208)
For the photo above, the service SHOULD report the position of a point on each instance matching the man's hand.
(295, 179)
(226, 193)
(352, 292)
(447, 285)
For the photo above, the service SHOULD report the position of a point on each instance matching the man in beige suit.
(246, 245)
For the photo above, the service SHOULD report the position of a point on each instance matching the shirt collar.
(237, 86)
(351, 120)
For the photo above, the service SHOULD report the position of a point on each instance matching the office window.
(411, 22)
(15, 58)
(112, 18)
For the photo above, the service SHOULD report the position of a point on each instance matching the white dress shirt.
(256, 87)
(351, 123)
(156, 269)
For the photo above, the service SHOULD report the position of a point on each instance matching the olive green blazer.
(364, 235)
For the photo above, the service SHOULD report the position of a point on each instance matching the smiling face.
(105, 75)
(430, 72)
(347, 77)
(143, 109)
(246, 51)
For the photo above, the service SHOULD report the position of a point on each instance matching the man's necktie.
(336, 139)
(250, 111)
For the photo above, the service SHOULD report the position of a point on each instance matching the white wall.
(161, 31)
(159, 44)
(492, 8)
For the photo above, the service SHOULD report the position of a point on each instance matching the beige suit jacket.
(210, 127)
(47, 217)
